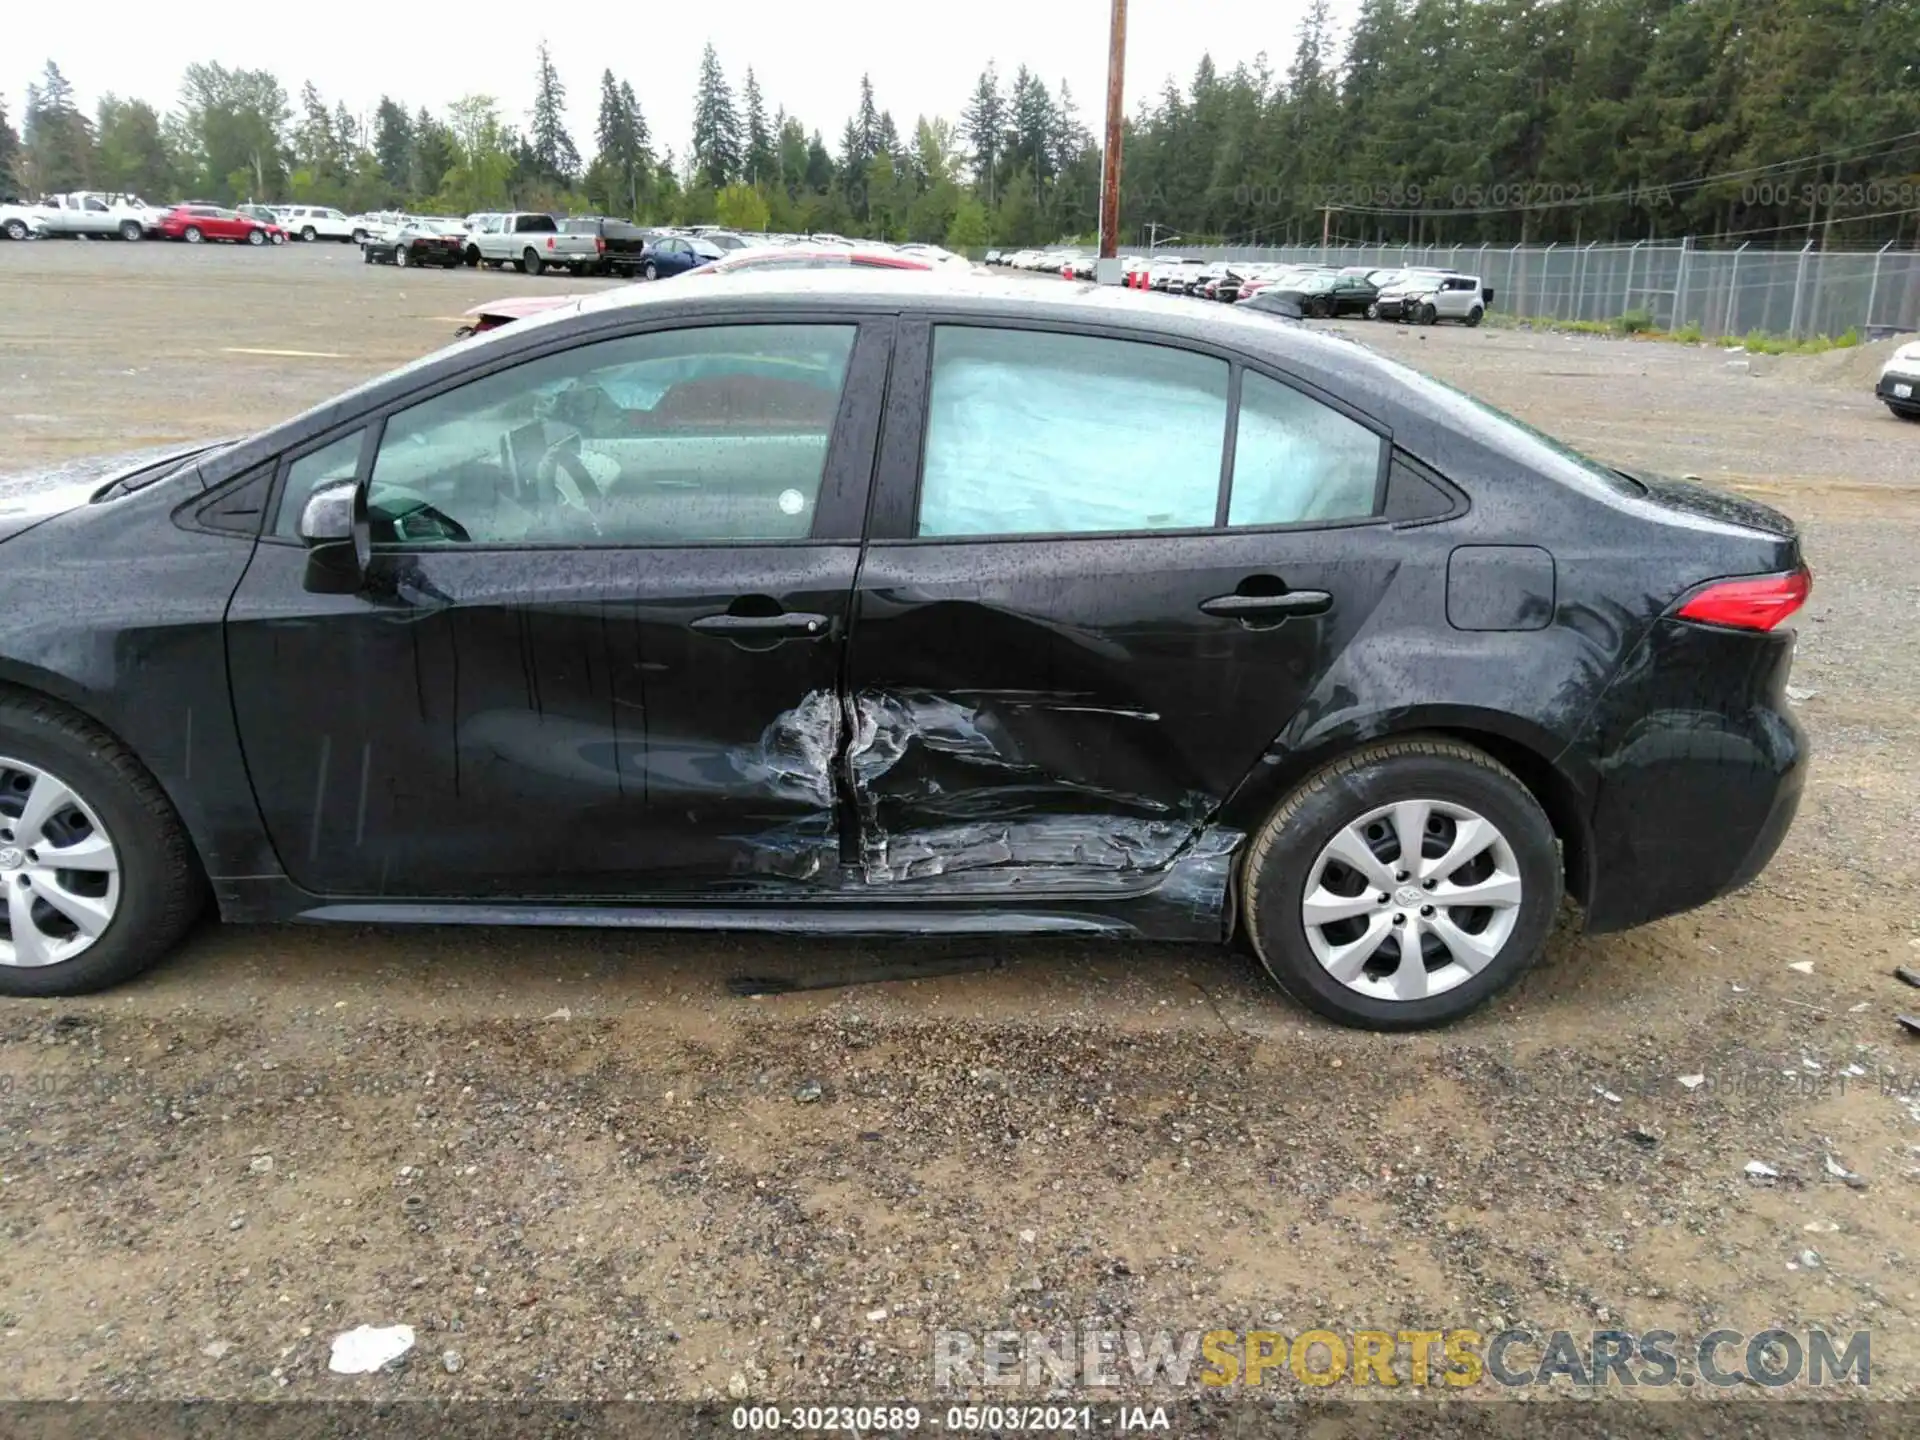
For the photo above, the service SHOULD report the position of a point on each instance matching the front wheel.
(1403, 885)
(99, 878)
(1373, 311)
(256, 237)
(1426, 314)
(472, 258)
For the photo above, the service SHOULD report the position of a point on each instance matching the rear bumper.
(1699, 787)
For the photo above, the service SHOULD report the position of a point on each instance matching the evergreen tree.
(983, 125)
(762, 159)
(716, 150)
(553, 154)
(56, 138)
(392, 143)
(10, 183)
(866, 124)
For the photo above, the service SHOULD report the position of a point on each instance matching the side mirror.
(331, 527)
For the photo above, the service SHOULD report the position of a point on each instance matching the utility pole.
(1107, 267)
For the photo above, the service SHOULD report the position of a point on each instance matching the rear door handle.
(793, 622)
(1293, 602)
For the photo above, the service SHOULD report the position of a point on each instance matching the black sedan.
(417, 242)
(821, 602)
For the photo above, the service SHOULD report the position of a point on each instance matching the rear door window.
(1296, 460)
(1038, 433)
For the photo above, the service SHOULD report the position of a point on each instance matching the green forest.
(1770, 122)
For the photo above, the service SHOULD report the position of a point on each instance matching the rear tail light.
(550, 242)
(599, 244)
(1758, 602)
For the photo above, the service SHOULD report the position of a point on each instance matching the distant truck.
(88, 212)
(531, 241)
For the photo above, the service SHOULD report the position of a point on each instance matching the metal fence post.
(1546, 277)
(1799, 289)
(1626, 290)
(1873, 289)
(1680, 284)
(1733, 289)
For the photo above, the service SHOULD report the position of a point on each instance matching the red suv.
(194, 223)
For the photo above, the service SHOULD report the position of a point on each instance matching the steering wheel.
(563, 460)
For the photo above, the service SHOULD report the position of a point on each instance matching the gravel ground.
(580, 1167)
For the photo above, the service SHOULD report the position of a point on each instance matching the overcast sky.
(924, 57)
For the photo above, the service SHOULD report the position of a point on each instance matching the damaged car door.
(594, 649)
(1078, 628)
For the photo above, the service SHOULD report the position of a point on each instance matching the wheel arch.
(31, 683)
(1532, 753)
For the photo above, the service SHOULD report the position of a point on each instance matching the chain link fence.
(1800, 293)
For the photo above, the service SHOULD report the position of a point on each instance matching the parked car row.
(789, 253)
(1420, 296)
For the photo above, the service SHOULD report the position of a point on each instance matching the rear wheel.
(309, 234)
(1403, 885)
(193, 235)
(530, 261)
(650, 271)
(400, 256)
(131, 230)
(1475, 315)
(98, 876)
(16, 229)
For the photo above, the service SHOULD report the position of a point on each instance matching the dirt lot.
(580, 1167)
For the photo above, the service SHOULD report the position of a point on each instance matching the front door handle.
(788, 622)
(1292, 602)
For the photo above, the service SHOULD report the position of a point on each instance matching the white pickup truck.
(532, 242)
(87, 212)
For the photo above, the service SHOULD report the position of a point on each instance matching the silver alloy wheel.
(58, 866)
(1398, 928)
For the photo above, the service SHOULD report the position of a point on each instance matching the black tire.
(1281, 858)
(359, 237)
(1373, 311)
(1903, 412)
(1426, 315)
(530, 261)
(162, 890)
(366, 253)
(473, 257)
(1474, 316)
(650, 271)
(309, 234)
(400, 256)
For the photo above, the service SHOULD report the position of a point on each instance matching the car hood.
(525, 306)
(29, 496)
